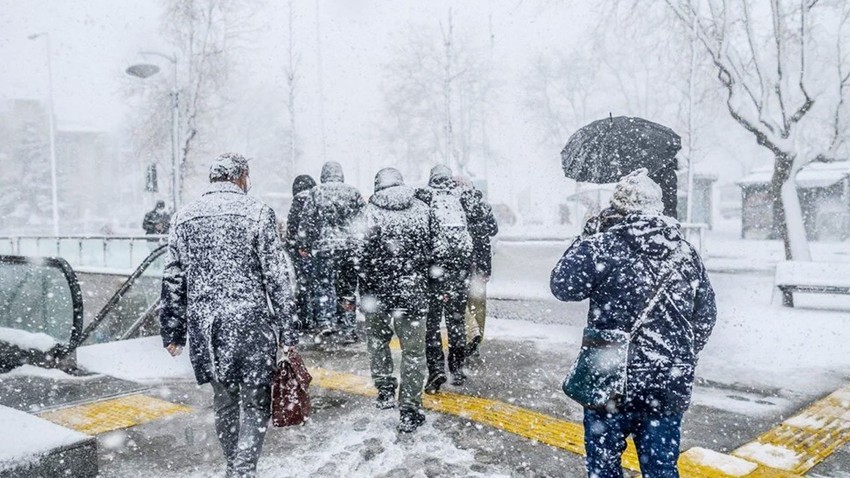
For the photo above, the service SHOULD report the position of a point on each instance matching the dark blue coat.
(226, 264)
(619, 271)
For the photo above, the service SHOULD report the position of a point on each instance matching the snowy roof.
(813, 175)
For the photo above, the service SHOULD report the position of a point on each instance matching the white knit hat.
(636, 192)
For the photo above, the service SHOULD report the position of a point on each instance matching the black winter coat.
(619, 271)
(293, 221)
(482, 226)
(395, 234)
(226, 263)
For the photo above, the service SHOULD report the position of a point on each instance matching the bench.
(812, 277)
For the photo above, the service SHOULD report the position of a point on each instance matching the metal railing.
(86, 252)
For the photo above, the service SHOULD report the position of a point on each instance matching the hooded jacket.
(395, 234)
(225, 264)
(329, 210)
(301, 187)
(482, 226)
(619, 271)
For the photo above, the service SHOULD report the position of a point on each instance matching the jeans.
(447, 297)
(242, 415)
(656, 437)
(409, 325)
(335, 285)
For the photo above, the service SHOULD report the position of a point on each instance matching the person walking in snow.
(396, 249)
(302, 261)
(226, 264)
(325, 231)
(482, 226)
(449, 278)
(646, 283)
(157, 220)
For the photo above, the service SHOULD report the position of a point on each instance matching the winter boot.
(458, 378)
(434, 382)
(348, 338)
(411, 419)
(386, 398)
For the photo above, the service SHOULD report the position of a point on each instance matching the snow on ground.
(27, 340)
(139, 360)
(51, 373)
(26, 437)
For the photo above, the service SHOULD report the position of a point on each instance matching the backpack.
(452, 240)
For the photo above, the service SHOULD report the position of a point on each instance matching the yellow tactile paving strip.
(536, 426)
(807, 438)
(114, 414)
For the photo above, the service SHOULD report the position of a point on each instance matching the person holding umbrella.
(652, 309)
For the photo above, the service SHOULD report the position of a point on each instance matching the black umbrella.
(608, 149)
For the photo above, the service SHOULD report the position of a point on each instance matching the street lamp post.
(144, 70)
(52, 127)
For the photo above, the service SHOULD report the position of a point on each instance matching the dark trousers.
(447, 298)
(656, 436)
(242, 415)
(335, 286)
(303, 295)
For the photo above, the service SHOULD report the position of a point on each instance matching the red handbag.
(290, 392)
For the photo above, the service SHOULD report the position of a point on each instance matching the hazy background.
(584, 52)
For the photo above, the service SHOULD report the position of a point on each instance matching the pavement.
(510, 419)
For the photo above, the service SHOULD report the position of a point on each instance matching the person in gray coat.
(226, 264)
(325, 233)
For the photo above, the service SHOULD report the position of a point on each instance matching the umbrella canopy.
(605, 150)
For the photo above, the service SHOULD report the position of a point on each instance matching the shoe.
(386, 398)
(348, 338)
(434, 383)
(323, 333)
(410, 421)
(458, 378)
(472, 347)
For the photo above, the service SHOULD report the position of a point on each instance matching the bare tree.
(437, 97)
(203, 35)
(291, 71)
(783, 84)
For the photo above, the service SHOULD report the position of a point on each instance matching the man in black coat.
(158, 220)
(482, 226)
(325, 231)
(449, 278)
(301, 259)
(636, 266)
(226, 264)
(396, 252)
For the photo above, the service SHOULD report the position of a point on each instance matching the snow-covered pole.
(691, 80)
(51, 119)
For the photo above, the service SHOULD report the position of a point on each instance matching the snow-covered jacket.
(482, 226)
(396, 247)
(619, 271)
(329, 211)
(452, 247)
(225, 259)
(301, 187)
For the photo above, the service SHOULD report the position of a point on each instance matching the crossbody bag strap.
(659, 291)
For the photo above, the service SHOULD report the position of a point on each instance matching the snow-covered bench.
(812, 277)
